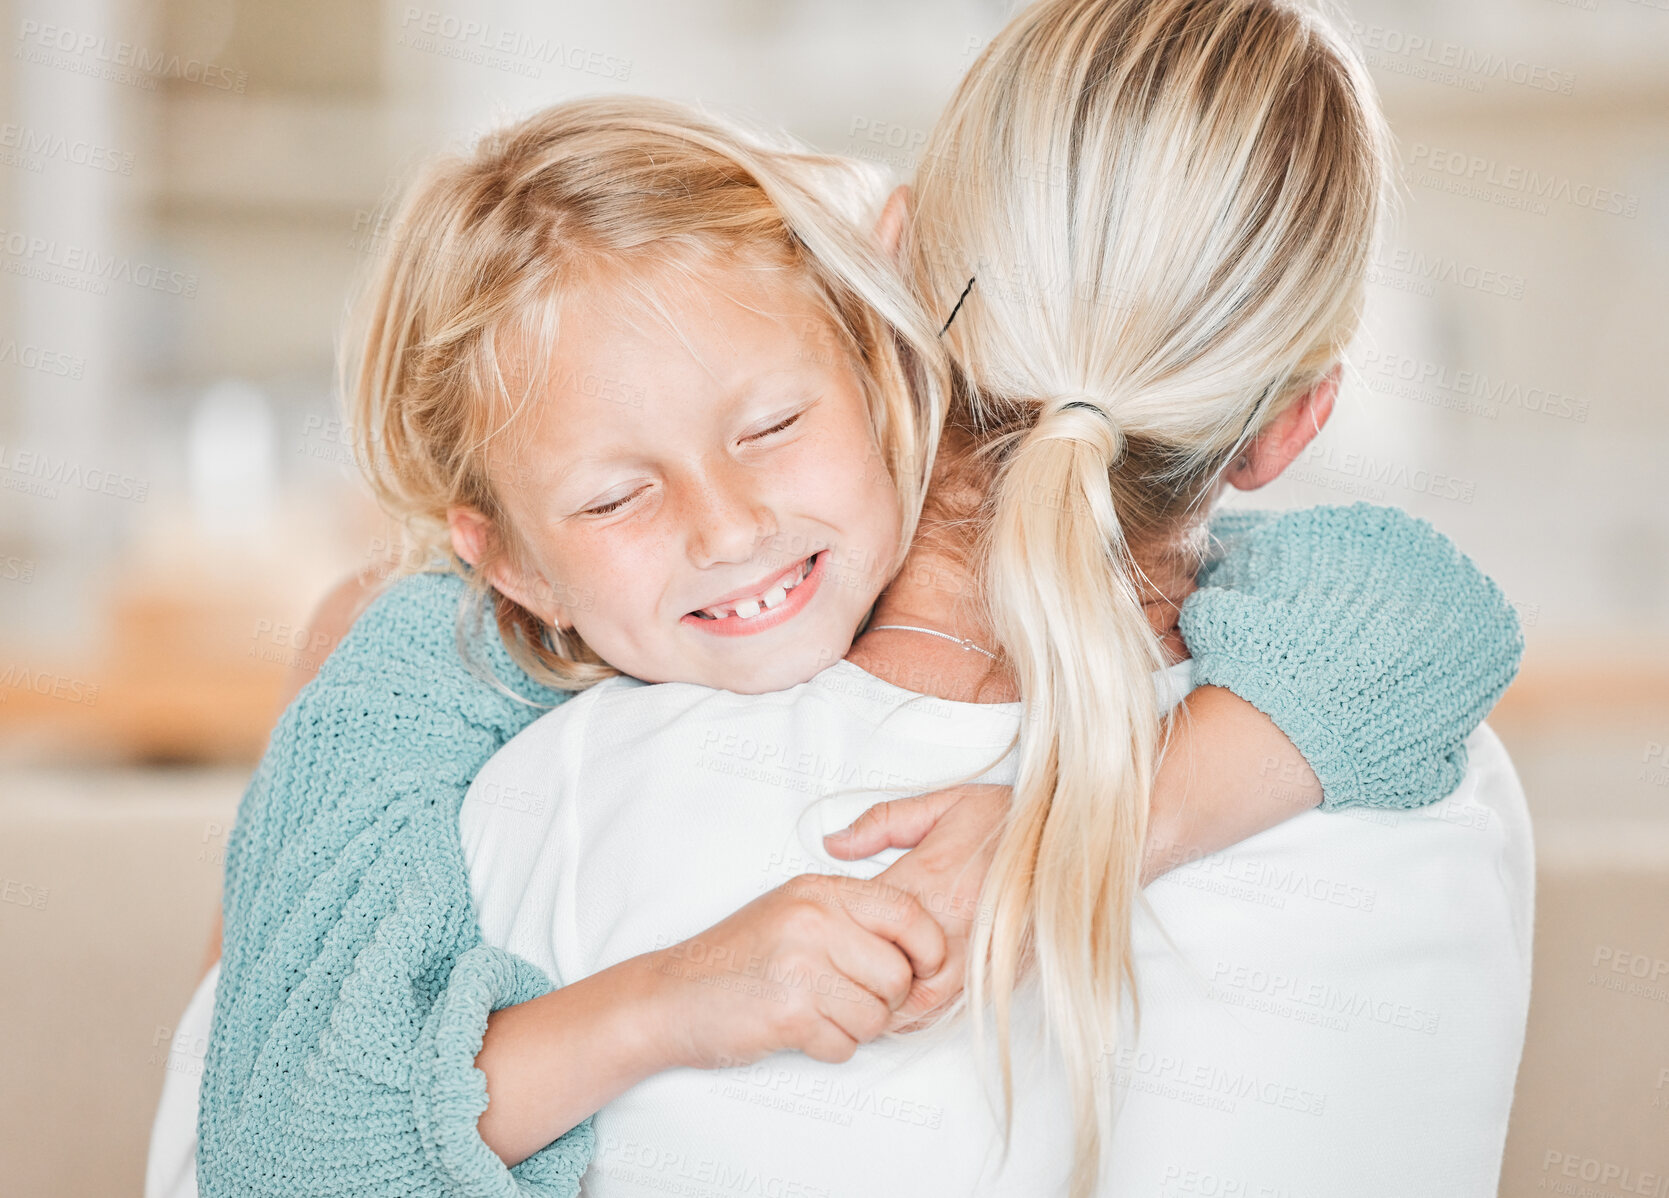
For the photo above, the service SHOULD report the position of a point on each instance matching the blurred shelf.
(189, 678)
(1571, 683)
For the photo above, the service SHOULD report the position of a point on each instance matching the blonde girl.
(607, 213)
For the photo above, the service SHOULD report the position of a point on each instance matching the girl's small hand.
(951, 834)
(817, 965)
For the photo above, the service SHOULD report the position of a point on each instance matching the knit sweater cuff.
(1373, 643)
(449, 1092)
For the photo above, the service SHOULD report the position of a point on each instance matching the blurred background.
(188, 189)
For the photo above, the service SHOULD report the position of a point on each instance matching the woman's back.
(636, 816)
(1344, 1009)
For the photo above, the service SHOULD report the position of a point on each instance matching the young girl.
(354, 987)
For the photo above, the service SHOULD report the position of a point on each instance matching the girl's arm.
(1342, 656)
(842, 953)
(1228, 773)
(329, 624)
(355, 989)
(1373, 643)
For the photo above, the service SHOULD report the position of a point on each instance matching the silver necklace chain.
(944, 636)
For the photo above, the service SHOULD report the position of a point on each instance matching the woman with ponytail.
(1165, 210)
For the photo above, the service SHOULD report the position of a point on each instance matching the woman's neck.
(935, 590)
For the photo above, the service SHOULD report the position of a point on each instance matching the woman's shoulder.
(551, 742)
(634, 725)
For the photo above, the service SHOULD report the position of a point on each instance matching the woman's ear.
(472, 540)
(1287, 436)
(889, 229)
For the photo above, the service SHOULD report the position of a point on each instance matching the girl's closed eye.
(779, 425)
(609, 506)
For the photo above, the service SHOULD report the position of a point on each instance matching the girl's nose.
(728, 520)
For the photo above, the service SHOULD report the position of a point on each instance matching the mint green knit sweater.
(354, 988)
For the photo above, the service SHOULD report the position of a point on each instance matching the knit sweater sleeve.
(1373, 643)
(355, 987)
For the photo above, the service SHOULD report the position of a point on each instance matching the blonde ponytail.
(1166, 208)
(1087, 748)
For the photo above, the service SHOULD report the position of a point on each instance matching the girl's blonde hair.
(1166, 209)
(454, 333)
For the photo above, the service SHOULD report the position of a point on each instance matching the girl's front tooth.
(774, 596)
(747, 609)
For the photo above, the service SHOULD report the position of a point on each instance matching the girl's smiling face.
(700, 497)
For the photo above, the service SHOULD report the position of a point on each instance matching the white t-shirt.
(1334, 1006)
(171, 1165)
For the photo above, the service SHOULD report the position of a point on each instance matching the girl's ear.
(1278, 445)
(889, 229)
(472, 539)
(471, 533)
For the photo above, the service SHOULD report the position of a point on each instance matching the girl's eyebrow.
(566, 489)
(759, 382)
(559, 478)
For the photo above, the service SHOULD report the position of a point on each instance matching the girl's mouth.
(784, 599)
